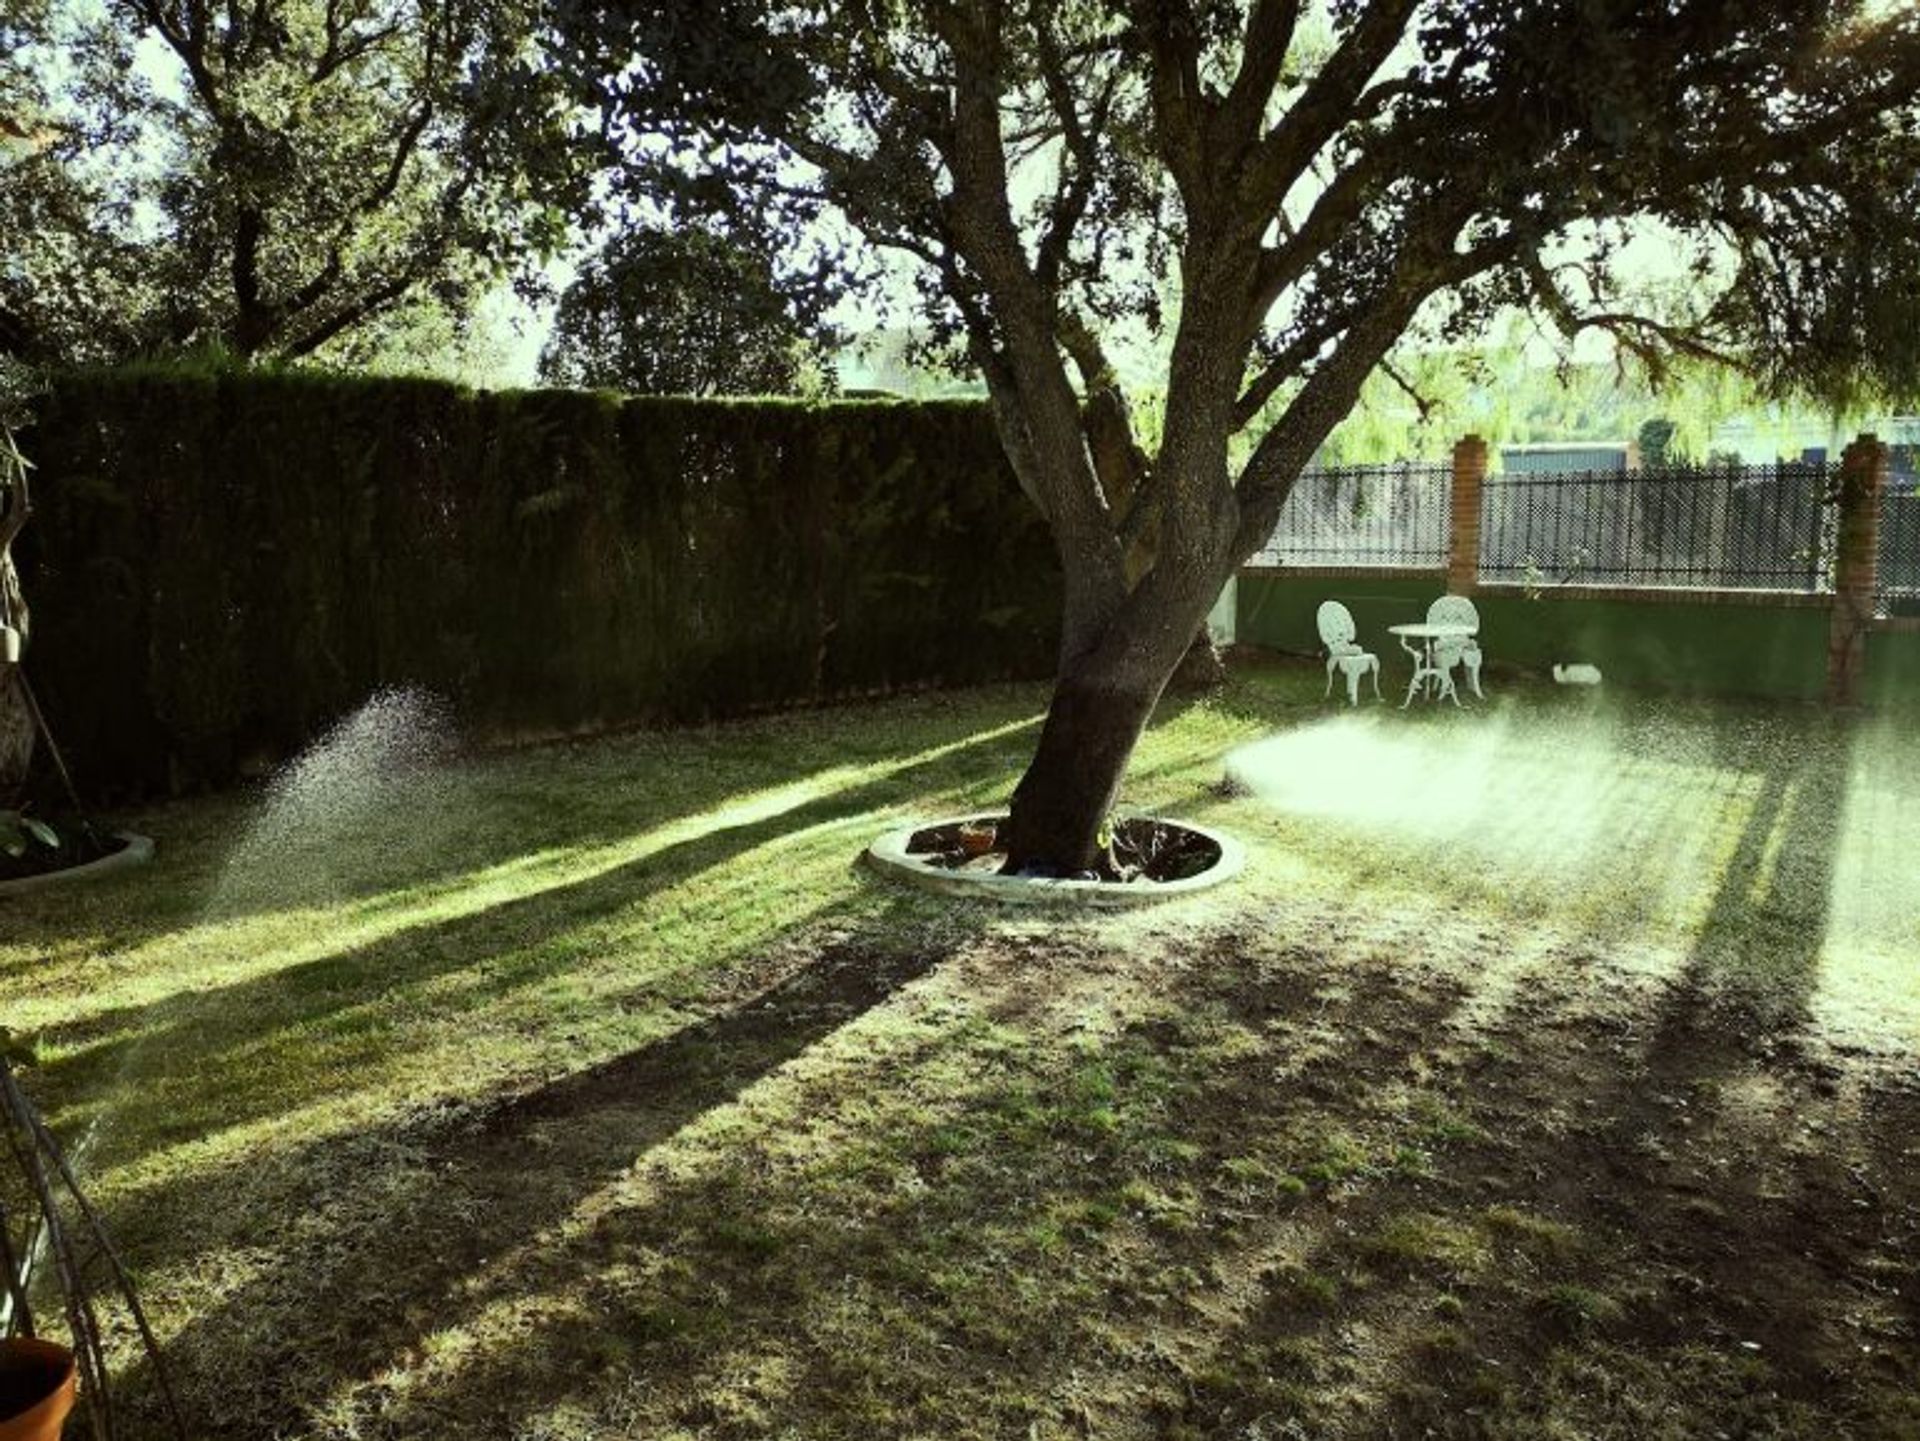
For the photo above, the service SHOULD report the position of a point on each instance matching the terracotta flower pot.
(37, 1381)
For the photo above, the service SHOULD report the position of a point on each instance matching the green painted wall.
(1699, 647)
(1277, 612)
(1893, 670)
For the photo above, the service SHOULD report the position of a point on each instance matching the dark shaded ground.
(1212, 1190)
(1357, 1149)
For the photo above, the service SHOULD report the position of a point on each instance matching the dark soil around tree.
(1140, 849)
(80, 843)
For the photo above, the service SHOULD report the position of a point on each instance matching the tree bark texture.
(16, 717)
(1101, 703)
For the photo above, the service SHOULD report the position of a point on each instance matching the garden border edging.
(889, 856)
(137, 851)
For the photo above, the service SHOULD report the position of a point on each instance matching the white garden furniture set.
(1446, 641)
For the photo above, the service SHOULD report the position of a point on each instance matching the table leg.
(1419, 671)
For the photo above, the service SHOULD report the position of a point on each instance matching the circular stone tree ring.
(944, 856)
(133, 850)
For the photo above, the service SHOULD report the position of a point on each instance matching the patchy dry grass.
(1550, 1075)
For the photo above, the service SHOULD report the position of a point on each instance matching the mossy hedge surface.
(223, 564)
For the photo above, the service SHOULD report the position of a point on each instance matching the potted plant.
(48, 1220)
(38, 1383)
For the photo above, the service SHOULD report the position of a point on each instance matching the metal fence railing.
(1769, 527)
(1898, 589)
(1365, 515)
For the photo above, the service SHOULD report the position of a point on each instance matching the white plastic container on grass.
(1576, 674)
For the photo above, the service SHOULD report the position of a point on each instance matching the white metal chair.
(1449, 652)
(1337, 632)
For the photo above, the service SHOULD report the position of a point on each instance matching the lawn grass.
(1551, 1073)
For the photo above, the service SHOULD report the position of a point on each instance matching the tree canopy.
(268, 177)
(681, 312)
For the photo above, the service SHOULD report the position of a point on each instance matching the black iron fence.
(1365, 515)
(1720, 527)
(1898, 588)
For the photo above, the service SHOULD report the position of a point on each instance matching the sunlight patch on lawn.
(1869, 982)
(1566, 806)
(220, 953)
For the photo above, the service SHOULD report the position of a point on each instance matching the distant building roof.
(1557, 456)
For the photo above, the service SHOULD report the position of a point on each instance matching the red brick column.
(1863, 480)
(1463, 546)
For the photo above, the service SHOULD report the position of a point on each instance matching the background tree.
(17, 728)
(69, 288)
(1656, 441)
(683, 312)
(271, 176)
(1315, 181)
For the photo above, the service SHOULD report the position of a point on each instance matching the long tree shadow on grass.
(1282, 1197)
(1754, 964)
(282, 1037)
(382, 1238)
(1610, 1215)
(435, 825)
(1274, 1193)
(732, 1254)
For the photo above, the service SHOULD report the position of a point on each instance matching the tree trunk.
(1101, 703)
(1093, 723)
(16, 717)
(16, 739)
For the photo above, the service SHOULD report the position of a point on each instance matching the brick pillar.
(1863, 480)
(1463, 545)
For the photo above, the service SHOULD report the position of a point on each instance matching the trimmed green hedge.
(222, 564)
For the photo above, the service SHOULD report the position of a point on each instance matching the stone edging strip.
(137, 851)
(890, 857)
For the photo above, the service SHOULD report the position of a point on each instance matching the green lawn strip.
(596, 1092)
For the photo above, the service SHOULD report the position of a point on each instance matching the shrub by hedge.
(221, 564)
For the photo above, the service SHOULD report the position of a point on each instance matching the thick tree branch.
(186, 37)
(1173, 47)
(1325, 108)
(1026, 316)
(1263, 55)
(1079, 165)
(1285, 365)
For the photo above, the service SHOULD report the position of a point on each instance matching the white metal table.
(1428, 674)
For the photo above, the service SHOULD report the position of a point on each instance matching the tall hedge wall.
(220, 565)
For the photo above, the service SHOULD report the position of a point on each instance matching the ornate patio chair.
(1337, 632)
(1448, 653)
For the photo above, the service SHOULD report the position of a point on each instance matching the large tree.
(1312, 181)
(268, 176)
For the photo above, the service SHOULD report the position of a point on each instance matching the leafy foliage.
(267, 178)
(1323, 180)
(680, 312)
